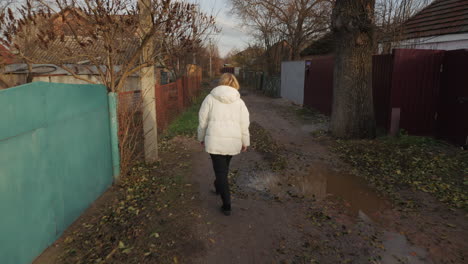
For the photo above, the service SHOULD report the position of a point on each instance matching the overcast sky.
(232, 35)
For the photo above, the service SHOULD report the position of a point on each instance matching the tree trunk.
(353, 110)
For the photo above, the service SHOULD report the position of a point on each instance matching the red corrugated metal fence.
(318, 88)
(382, 69)
(415, 88)
(431, 102)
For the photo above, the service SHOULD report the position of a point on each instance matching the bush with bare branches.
(111, 39)
(105, 36)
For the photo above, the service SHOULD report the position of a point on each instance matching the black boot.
(226, 210)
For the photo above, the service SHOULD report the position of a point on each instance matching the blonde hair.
(230, 80)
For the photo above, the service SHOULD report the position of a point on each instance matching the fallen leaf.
(121, 245)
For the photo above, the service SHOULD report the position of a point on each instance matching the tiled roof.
(441, 17)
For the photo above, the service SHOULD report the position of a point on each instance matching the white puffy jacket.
(224, 122)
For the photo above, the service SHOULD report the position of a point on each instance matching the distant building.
(275, 55)
(443, 25)
(322, 46)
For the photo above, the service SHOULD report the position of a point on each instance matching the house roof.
(322, 46)
(69, 51)
(441, 17)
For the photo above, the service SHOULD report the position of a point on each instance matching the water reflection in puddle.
(322, 181)
(399, 250)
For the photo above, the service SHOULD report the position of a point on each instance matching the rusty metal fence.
(171, 98)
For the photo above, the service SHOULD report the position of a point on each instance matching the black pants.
(221, 169)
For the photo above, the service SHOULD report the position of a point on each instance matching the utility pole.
(211, 50)
(148, 82)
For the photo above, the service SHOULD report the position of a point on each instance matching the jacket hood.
(225, 94)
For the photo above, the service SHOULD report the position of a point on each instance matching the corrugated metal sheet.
(415, 88)
(453, 107)
(292, 80)
(318, 91)
(382, 69)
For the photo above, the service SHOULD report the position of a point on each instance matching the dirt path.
(311, 211)
(293, 202)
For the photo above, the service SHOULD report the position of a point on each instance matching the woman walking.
(223, 130)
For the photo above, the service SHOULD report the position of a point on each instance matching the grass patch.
(186, 124)
(421, 163)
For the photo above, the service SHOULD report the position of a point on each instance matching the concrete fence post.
(114, 130)
(148, 83)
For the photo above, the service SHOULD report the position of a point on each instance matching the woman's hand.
(244, 148)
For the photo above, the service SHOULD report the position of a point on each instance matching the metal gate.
(452, 115)
(415, 88)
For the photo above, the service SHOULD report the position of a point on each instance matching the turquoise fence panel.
(55, 160)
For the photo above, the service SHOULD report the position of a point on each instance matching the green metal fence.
(55, 160)
(269, 85)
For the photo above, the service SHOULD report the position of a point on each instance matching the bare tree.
(296, 21)
(353, 111)
(209, 59)
(390, 16)
(264, 29)
(113, 38)
(181, 48)
(104, 35)
(4, 4)
(249, 58)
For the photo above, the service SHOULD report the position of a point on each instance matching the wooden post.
(148, 82)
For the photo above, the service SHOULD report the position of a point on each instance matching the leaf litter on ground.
(424, 164)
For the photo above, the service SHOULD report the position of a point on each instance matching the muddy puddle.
(399, 250)
(322, 182)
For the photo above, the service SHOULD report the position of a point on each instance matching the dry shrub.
(131, 138)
